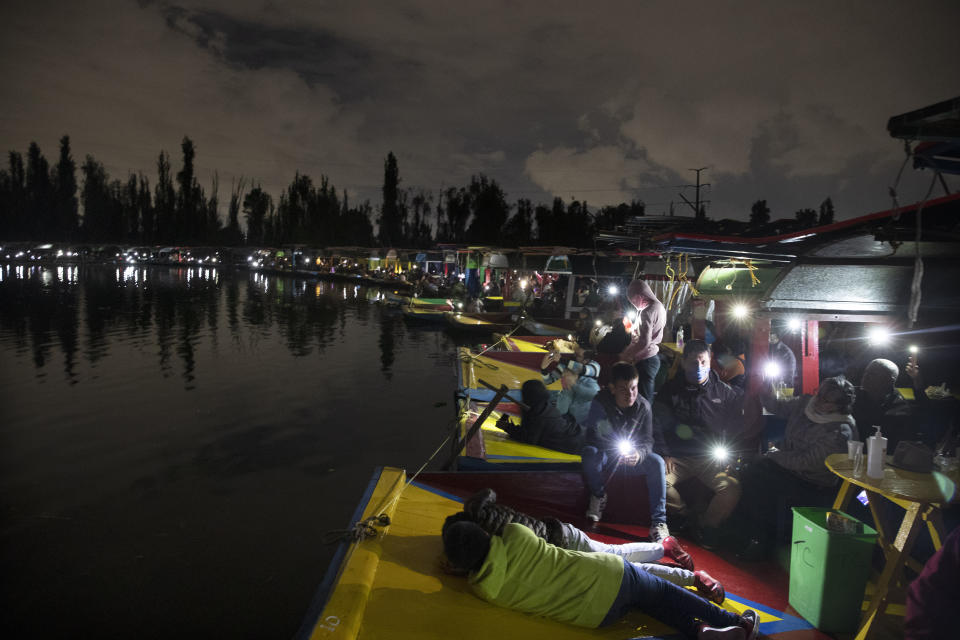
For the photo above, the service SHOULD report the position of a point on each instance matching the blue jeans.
(598, 466)
(647, 368)
(678, 607)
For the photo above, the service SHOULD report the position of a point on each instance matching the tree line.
(39, 202)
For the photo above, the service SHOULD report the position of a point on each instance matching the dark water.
(175, 442)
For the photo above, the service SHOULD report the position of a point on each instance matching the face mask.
(698, 375)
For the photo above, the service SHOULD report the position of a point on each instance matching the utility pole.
(696, 206)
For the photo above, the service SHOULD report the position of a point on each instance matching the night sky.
(604, 101)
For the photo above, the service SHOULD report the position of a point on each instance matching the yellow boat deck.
(391, 585)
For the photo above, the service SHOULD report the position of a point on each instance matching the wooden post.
(810, 366)
(759, 352)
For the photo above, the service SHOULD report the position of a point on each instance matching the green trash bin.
(829, 570)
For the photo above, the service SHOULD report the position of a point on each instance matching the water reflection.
(165, 314)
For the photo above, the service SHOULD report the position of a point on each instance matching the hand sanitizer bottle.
(876, 454)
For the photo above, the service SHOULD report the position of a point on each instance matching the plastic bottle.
(680, 338)
(876, 454)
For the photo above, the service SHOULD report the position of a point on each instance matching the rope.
(682, 281)
(367, 528)
(915, 286)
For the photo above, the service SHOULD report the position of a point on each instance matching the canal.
(175, 443)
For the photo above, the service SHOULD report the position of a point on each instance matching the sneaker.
(708, 587)
(750, 622)
(659, 531)
(673, 550)
(735, 632)
(595, 508)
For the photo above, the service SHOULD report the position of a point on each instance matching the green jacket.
(525, 573)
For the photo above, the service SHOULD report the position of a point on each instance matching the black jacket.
(607, 424)
(689, 418)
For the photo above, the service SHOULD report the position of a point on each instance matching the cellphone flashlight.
(625, 447)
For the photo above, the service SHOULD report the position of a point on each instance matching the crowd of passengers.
(609, 415)
(607, 412)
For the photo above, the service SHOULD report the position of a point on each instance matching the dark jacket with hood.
(482, 508)
(543, 425)
(690, 417)
(607, 424)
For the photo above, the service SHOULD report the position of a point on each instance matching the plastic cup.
(853, 448)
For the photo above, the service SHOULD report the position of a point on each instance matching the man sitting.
(578, 381)
(620, 434)
(698, 417)
(521, 571)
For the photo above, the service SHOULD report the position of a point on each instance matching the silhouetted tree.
(14, 212)
(145, 211)
(189, 213)
(356, 226)
(256, 207)
(164, 201)
(96, 200)
(759, 213)
(806, 217)
(826, 212)
(66, 220)
(489, 209)
(417, 231)
(210, 229)
(454, 211)
(611, 218)
(231, 234)
(39, 194)
(391, 225)
(578, 228)
(519, 228)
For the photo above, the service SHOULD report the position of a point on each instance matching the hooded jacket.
(652, 319)
(483, 509)
(607, 424)
(543, 425)
(806, 444)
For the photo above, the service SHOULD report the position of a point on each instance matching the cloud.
(615, 100)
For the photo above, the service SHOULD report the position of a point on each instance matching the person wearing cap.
(694, 414)
(519, 570)
(879, 403)
(578, 381)
(542, 424)
(646, 334)
(796, 475)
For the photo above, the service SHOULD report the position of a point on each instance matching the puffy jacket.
(806, 444)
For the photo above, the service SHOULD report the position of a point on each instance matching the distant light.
(599, 323)
(878, 335)
(720, 453)
(613, 290)
(794, 324)
(523, 284)
(914, 349)
(771, 369)
(570, 337)
(740, 311)
(625, 447)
